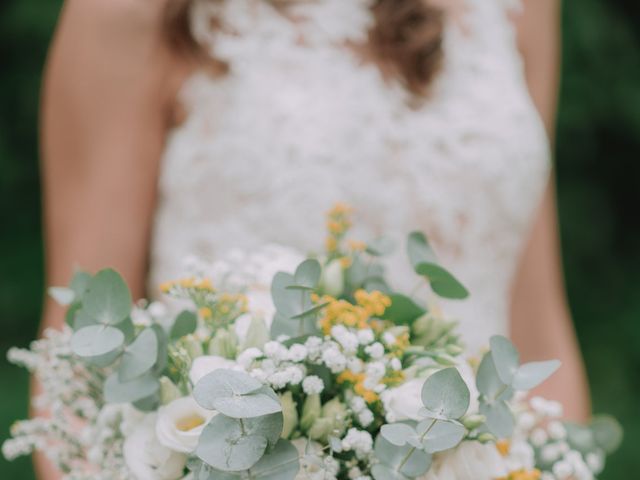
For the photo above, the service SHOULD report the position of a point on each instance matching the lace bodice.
(300, 123)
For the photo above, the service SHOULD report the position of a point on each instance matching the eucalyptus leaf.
(399, 462)
(281, 463)
(81, 319)
(163, 349)
(140, 356)
(137, 389)
(235, 394)
(79, 284)
(488, 381)
(403, 310)
(308, 273)
(148, 404)
(397, 433)
(505, 358)
(184, 324)
(70, 315)
(107, 299)
(607, 432)
(530, 375)
(230, 444)
(425, 263)
(62, 295)
(126, 326)
(443, 435)
(499, 419)
(98, 344)
(381, 246)
(445, 394)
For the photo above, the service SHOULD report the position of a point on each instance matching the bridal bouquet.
(318, 371)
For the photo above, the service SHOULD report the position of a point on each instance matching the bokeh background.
(598, 166)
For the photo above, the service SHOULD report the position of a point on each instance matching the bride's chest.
(292, 115)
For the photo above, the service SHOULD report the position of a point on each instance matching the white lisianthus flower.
(180, 424)
(404, 402)
(468, 461)
(261, 303)
(147, 459)
(204, 365)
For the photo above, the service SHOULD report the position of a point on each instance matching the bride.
(176, 127)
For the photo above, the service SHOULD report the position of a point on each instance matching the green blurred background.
(598, 181)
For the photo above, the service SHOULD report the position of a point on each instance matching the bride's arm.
(541, 322)
(105, 107)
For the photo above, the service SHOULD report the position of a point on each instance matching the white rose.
(404, 402)
(147, 459)
(468, 461)
(261, 303)
(206, 364)
(180, 424)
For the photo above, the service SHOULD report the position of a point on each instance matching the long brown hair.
(405, 40)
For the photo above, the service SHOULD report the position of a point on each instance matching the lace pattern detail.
(300, 123)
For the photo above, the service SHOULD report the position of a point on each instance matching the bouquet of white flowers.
(322, 372)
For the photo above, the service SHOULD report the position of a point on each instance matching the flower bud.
(168, 391)
(310, 411)
(192, 346)
(486, 438)
(332, 278)
(224, 344)
(471, 422)
(290, 414)
(257, 335)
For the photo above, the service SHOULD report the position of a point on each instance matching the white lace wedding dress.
(300, 123)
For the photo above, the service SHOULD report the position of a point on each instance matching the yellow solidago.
(338, 223)
(188, 283)
(357, 380)
(375, 303)
(205, 312)
(357, 246)
(523, 475)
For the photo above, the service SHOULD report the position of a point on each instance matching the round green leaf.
(403, 310)
(62, 295)
(607, 432)
(381, 246)
(488, 381)
(402, 462)
(443, 435)
(225, 445)
(98, 344)
(499, 418)
(530, 375)
(281, 463)
(397, 433)
(137, 389)
(235, 394)
(424, 262)
(140, 356)
(505, 358)
(445, 394)
(185, 324)
(107, 299)
(308, 274)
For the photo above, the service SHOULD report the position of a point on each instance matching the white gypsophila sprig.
(74, 434)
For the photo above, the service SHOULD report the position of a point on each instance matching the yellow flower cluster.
(357, 380)
(503, 447)
(189, 283)
(342, 312)
(534, 474)
(338, 223)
